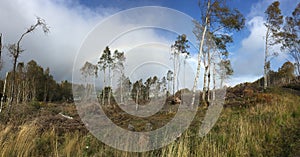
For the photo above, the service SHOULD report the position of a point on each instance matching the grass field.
(261, 129)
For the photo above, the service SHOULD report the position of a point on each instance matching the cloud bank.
(69, 23)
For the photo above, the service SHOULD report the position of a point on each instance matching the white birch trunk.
(199, 58)
(214, 83)
(103, 91)
(3, 93)
(266, 60)
(208, 76)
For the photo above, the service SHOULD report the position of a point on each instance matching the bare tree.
(15, 51)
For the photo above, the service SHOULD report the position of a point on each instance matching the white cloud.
(144, 34)
(70, 22)
(68, 27)
(249, 59)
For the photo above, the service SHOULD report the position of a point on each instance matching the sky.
(72, 21)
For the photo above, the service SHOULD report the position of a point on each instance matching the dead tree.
(15, 51)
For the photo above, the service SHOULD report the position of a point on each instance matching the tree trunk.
(26, 91)
(34, 90)
(208, 84)
(1, 49)
(221, 82)
(168, 91)
(45, 90)
(12, 95)
(103, 91)
(110, 81)
(199, 57)
(174, 76)
(137, 100)
(3, 93)
(208, 75)
(214, 83)
(204, 79)
(266, 60)
(184, 63)
(122, 99)
(19, 85)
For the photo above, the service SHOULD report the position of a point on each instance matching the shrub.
(37, 105)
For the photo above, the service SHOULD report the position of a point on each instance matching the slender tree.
(225, 71)
(15, 51)
(169, 78)
(88, 70)
(110, 62)
(179, 47)
(186, 56)
(291, 37)
(148, 83)
(137, 92)
(273, 23)
(103, 65)
(3, 92)
(164, 85)
(127, 88)
(216, 17)
(119, 59)
(214, 82)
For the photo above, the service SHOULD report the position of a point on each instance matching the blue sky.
(251, 9)
(71, 20)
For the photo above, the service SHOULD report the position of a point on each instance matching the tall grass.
(259, 130)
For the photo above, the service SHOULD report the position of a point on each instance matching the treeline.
(34, 83)
(284, 76)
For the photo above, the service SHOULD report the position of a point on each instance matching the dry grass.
(260, 130)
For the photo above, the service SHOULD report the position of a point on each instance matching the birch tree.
(169, 79)
(273, 23)
(3, 93)
(119, 59)
(216, 18)
(110, 63)
(88, 70)
(103, 65)
(179, 48)
(225, 71)
(164, 85)
(291, 37)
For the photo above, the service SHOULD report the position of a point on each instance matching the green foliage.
(274, 19)
(35, 104)
(89, 69)
(33, 83)
(291, 37)
(105, 59)
(181, 45)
